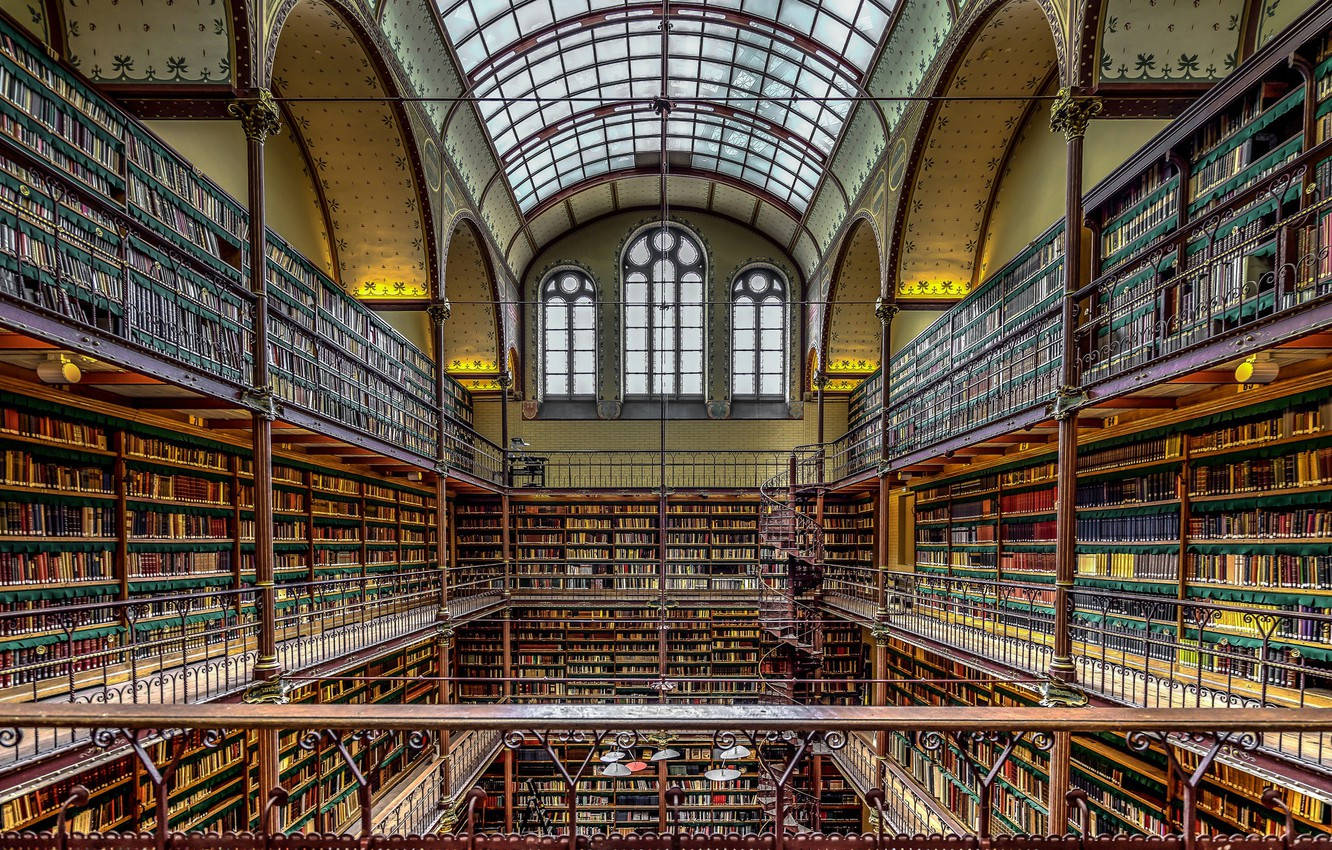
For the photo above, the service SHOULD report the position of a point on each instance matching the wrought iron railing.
(194, 646)
(780, 738)
(1137, 649)
(642, 469)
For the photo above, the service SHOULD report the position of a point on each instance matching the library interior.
(666, 424)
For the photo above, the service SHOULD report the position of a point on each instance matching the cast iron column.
(259, 118)
(1070, 113)
(885, 309)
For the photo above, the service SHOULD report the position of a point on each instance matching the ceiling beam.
(19, 342)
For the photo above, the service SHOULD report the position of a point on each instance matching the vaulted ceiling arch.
(366, 164)
(1008, 49)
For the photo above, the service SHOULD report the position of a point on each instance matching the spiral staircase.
(790, 572)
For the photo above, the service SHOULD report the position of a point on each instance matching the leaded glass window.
(758, 335)
(568, 336)
(663, 273)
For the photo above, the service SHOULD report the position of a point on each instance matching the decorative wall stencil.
(31, 15)
(921, 30)
(816, 307)
(862, 145)
(806, 253)
(1170, 40)
(853, 329)
(945, 208)
(609, 409)
(719, 410)
(1276, 15)
(151, 41)
(826, 215)
(467, 148)
(472, 332)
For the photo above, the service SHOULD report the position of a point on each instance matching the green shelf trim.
(1247, 174)
(1143, 510)
(148, 505)
(44, 592)
(29, 547)
(171, 621)
(159, 584)
(1257, 547)
(1030, 546)
(71, 500)
(182, 546)
(345, 522)
(1112, 471)
(1262, 596)
(1150, 198)
(1128, 585)
(1116, 548)
(1147, 237)
(282, 547)
(974, 572)
(1030, 577)
(1093, 619)
(46, 640)
(336, 544)
(1248, 131)
(1273, 499)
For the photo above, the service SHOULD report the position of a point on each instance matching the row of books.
(1260, 523)
(42, 520)
(1299, 469)
(22, 468)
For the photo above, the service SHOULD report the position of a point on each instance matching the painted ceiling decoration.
(1185, 41)
(358, 151)
(472, 343)
(852, 330)
(957, 168)
(767, 54)
(150, 42)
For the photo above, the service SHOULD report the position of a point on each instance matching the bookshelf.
(1225, 509)
(103, 223)
(212, 788)
(849, 546)
(98, 507)
(1127, 791)
(994, 354)
(633, 803)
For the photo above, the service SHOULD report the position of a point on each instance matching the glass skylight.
(556, 72)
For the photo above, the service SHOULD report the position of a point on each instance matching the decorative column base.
(268, 691)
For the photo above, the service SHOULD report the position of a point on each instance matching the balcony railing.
(197, 646)
(1136, 649)
(780, 738)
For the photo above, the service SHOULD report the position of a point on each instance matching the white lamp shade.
(664, 755)
(739, 751)
(723, 774)
(612, 755)
(616, 769)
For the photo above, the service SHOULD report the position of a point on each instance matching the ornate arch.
(476, 330)
(852, 289)
(382, 221)
(1004, 47)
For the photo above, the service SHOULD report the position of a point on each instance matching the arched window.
(758, 335)
(663, 272)
(568, 336)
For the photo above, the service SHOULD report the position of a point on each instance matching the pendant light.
(723, 774)
(636, 766)
(611, 756)
(616, 770)
(665, 754)
(739, 751)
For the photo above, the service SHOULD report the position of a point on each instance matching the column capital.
(1067, 401)
(885, 309)
(505, 379)
(439, 312)
(259, 115)
(263, 402)
(820, 379)
(1070, 113)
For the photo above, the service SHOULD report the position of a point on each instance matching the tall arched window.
(663, 270)
(758, 335)
(568, 335)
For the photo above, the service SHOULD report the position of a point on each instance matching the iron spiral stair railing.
(791, 558)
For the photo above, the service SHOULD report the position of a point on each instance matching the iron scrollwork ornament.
(1068, 400)
(263, 402)
(1056, 693)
